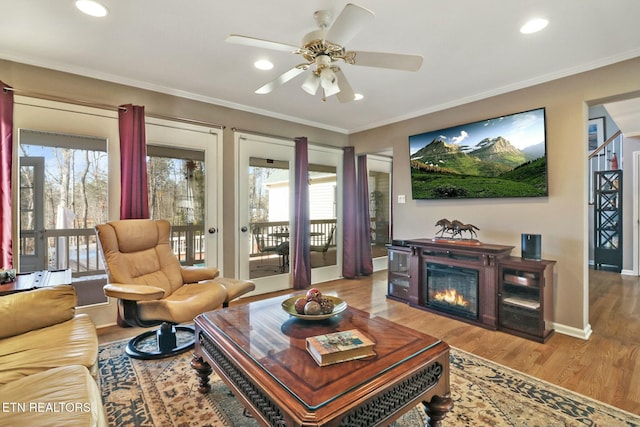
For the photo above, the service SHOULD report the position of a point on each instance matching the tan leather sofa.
(48, 361)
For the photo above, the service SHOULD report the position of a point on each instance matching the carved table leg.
(203, 370)
(438, 408)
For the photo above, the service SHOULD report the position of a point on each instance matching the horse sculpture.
(455, 228)
(459, 227)
(445, 226)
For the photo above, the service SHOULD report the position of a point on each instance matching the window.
(61, 204)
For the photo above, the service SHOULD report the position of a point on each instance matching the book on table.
(336, 347)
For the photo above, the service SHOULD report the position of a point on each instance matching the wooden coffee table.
(259, 352)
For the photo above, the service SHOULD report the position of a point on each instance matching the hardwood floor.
(605, 368)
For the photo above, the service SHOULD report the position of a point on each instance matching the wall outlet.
(402, 198)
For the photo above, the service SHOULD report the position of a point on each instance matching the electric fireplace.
(452, 289)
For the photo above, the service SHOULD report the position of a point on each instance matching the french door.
(265, 217)
(184, 173)
(265, 187)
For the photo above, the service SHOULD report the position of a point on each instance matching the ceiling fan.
(324, 47)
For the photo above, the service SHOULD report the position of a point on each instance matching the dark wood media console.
(476, 276)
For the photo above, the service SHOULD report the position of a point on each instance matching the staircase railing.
(608, 156)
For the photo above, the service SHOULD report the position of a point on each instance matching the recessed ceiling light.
(534, 26)
(263, 64)
(92, 8)
(358, 97)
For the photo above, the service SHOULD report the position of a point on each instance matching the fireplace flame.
(450, 296)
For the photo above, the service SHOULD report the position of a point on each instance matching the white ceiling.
(472, 49)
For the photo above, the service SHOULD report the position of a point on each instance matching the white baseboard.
(381, 263)
(629, 273)
(584, 334)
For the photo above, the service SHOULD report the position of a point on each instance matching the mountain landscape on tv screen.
(491, 168)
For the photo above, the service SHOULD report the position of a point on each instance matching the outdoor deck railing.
(77, 248)
(271, 234)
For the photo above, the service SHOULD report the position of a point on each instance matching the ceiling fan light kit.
(329, 82)
(323, 47)
(311, 84)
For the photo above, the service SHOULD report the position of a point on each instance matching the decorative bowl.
(339, 306)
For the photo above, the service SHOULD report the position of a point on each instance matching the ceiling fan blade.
(261, 43)
(282, 79)
(351, 20)
(394, 61)
(346, 93)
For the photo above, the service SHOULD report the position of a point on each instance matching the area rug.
(153, 393)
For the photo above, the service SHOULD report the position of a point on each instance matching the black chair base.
(165, 342)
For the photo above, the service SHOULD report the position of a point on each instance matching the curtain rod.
(288, 138)
(107, 107)
(185, 120)
(61, 99)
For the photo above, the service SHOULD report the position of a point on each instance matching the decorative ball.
(312, 308)
(299, 305)
(326, 305)
(314, 294)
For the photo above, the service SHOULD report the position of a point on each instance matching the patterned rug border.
(548, 384)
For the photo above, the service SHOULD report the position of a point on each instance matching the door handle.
(244, 229)
(212, 230)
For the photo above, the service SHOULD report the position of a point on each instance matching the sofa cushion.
(25, 311)
(74, 342)
(66, 396)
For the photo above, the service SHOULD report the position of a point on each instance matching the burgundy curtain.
(301, 246)
(356, 242)
(6, 152)
(349, 215)
(134, 197)
(364, 260)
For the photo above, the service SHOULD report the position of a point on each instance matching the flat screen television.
(500, 157)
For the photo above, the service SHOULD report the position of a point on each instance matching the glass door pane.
(32, 256)
(176, 193)
(60, 206)
(379, 182)
(323, 212)
(184, 164)
(325, 207)
(379, 210)
(268, 217)
(63, 203)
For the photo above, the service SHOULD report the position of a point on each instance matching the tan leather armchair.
(152, 287)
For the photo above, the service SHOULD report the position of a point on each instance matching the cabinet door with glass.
(608, 220)
(399, 272)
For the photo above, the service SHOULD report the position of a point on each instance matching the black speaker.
(531, 246)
